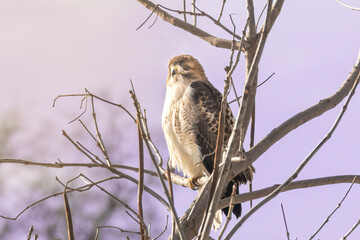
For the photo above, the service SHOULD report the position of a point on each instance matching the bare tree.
(197, 220)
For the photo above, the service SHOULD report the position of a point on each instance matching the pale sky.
(55, 47)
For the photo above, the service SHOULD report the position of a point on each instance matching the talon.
(192, 183)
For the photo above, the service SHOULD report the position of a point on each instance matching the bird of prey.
(190, 121)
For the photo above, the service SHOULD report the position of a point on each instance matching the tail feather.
(237, 207)
(242, 178)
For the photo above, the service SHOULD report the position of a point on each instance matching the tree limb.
(309, 183)
(215, 41)
(295, 174)
(299, 119)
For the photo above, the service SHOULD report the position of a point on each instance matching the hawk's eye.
(186, 68)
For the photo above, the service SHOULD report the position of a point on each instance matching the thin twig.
(302, 165)
(221, 11)
(218, 23)
(69, 223)
(168, 175)
(184, 6)
(286, 227)
(79, 189)
(79, 148)
(176, 179)
(148, 139)
(348, 6)
(113, 170)
(337, 207)
(92, 136)
(263, 82)
(31, 230)
(194, 11)
(142, 24)
(252, 140)
(252, 128)
(262, 12)
(309, 183)
(113, 227)
(88, 180)
(237, 99)
(231, 206)
(351, 230)
(215, 41)
(227, 69)
(88, 93)
(141, 175)
(132, 217)
(63, 165)
(98, 135)
(162, 232)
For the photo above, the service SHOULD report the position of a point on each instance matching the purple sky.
(49, 48)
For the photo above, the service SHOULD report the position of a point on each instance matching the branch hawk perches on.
(190, 122)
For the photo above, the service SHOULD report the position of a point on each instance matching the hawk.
(190, 121)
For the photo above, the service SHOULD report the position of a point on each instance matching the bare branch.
(174, 177)
(79, 189)
(184, 6)
(217, 42)
(316, 182)
(263, 82)
(286, 227)
(141, 175)
(302, 165)
(228, 68)
(222, 9)
(162, 232)
(147, 189)
(228, 217)
(78, 147)
(112, 227)
(251, 16)
(63, 165)
(337, 207)
(142, 223)
(348, 6)
(99, 98)
(98, 135)
(220, 25)
(69, 223)
(194, 12)
(351, 230)
(31, 230)
(302, 117)
(262, 12)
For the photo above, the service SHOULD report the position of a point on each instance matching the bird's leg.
(192, 182)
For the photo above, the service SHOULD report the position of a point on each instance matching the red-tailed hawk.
(190, 122)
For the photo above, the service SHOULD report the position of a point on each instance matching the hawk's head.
(185, 68)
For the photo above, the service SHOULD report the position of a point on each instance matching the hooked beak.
(174, 71)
